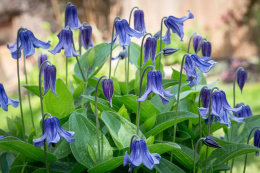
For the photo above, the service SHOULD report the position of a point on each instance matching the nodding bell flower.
(5, 100)
(139, 24)
(241, 78)
(257, 140)
(122, 55)
(108, 89)
(176, 25)
(154, 85)
(53, 133)
(41, 59)
(140, 154)
(65, 42)
(196, 43)
(209, 141)
(49, 79)
(245, 112)
(71, 16)
(150, 49)
(86, 33)
(28, 43)
(221, 109)
(124, 32)
(205, 97)
(206, 48)
(169, 51)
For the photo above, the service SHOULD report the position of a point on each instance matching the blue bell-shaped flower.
(86, 34)
(150, 49)
(196, 43)
(241, 78)
(205, 97)
(49, 79)
(257, 140)
(206, 48)
(41, 59)
(139, 24)
(245, 112)
(71, 16)
(108, 89)
(5, 100)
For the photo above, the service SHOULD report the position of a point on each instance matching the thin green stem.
(116, 67)
(139, 103)
(19, 83)
(126, 82)
(178, 99)
(161, 42)
(97, 122)
(249, 136)
(43, 115)
(28, 94)
(141, 55)
(209, 123)
(195, 150)
(192, 35)
(66, 71)
(112, 42)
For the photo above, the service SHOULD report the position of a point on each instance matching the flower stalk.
(195, 150)
(161, 41)
(191, 37)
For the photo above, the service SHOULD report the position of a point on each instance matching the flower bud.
(41, 59)
(206, 48)
(196, 43)
(241, 78)
(257, 140)
(209, 141)
(205, 97)
(168, 51)
(108, 89)
(139, 24)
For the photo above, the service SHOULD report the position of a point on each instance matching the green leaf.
(99, 53)
(164, 147)
(11, 126)
(231, 150)
(135, 54)
(30, 137)
(6, 161)
(34, 89)
(62, 149)
(59, 106)
(85, 136)
(78, 168)
(167, 119)
(176, 76)
(31, 152)
(120, 129)
(123, 112)
(107, 166)
(167, 166)
(131, 102)
(149, 123)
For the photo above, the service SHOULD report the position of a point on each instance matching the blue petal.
(204, 112)
(27, 45)
(13, 49)
(46, 78)
(148, 160)
(131, 32)
(53, 79)
(239, 120)
(204, 66)
(167, 37)
(227, 106)
(136, 155)
(40, 141)
(38, 43)
(68, 136)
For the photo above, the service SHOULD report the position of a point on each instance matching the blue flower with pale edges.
(257, 140)
(71, 16)
(139, 24)
(150, 49)
(154, 85)
(221, 109)
(28, 42)
(65, 42)
(245, 112)
(176, 25)
(140, 154)
(53, 133)
(124, 32)
(49, 78)
(5, 100)
(86, 34)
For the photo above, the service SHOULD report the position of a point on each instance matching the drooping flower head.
(140, 154)
(108, 89)
(176, 25)
(28, 43)
(241, 78)
(53, 133)
(71, 16)
(205, 97)
(49, 79)
(5, 100)
(65, 42)
(122, 55)
(221, 109)
(257, 140)
(206, 48)
(196, 43)
(150, 49)
(209, 141)
(124, 32)
(154, 85)
(86, 34)
(245, 112)
(139, 24)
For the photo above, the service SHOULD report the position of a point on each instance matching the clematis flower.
(150, 49)
(28, 43)
(176, 25)
(108, 89)
(49, 79)
(206, 48)
(140, 154)
(245, 112)
(221, 109)
(5, 100)
(41, 59)
(86, 33)
(122, 55)
(209, 141)
(139, 24)
(241, 78)
(205, 97)
(124, 32)
(71, 16)
(53, 133)
(196, 43)
(257, 141)
(169, 51)
(154, 85)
